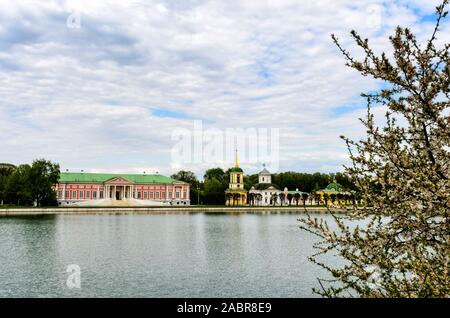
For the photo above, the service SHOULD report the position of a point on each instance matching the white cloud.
(87, 97)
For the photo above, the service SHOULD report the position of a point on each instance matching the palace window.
(170, 195)
(178, 195)
(145, 195)
(94, 194)
(157, 195)
(151, 195)
(139, 195)
(238, 178)
(74, 194)
(59, 194)
(88, 194)
(163, 195)
(184, 195)
(101, 194)
(81, 195)
(67, 194)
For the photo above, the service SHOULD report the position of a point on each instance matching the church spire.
(236, 165)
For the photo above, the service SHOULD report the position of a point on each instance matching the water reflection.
(184, 255)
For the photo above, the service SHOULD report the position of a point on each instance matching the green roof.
(333, 187)
(236, 169)
(103, 177)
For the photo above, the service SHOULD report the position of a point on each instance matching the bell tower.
(236, 194)
(236, 176)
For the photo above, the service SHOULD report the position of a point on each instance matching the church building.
(236, 195)
(264, 192)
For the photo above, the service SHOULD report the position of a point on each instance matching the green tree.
(250, 180)
(6, 170)
(18, 188)
(42, 177)
(217, 173)
(214, 191)
(402, 170)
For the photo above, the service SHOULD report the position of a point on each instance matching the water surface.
(181, 255)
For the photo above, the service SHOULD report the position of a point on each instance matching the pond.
(164, 255)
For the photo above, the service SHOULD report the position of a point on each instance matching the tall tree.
(402, 170)
(6, 170)
(17, 188)
(217, 173)
(214, 191)
(42, 177)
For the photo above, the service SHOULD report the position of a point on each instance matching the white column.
(98, 193)
(64, 192)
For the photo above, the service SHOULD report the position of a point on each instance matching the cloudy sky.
(103, 85)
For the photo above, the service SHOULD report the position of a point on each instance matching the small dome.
(334, 186)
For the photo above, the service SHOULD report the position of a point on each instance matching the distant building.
(333, 194)
(236, 194)
(120, 189)
(266, 193)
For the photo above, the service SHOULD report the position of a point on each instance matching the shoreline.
(160, 210)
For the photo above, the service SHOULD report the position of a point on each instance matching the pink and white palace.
(120, 189)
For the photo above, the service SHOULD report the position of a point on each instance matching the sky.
(102, 86)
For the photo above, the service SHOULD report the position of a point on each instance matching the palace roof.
(103, 177)
(264, 172)
(265, 186)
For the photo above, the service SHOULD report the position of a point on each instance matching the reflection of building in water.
(236, 194)
(153, 189)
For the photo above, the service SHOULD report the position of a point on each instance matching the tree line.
(33, 184)
(27, 185)
(211, 191)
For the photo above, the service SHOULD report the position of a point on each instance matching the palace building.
(97, 189)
